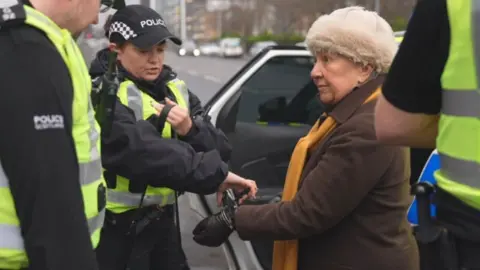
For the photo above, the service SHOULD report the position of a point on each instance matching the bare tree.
(247, 17)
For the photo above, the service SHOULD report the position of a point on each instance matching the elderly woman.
(345, 203)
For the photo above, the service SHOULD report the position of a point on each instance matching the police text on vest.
(52, 121)
(152, 22)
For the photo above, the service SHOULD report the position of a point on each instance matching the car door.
(263, 110)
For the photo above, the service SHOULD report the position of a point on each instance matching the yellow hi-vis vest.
(120, 199)
(85, 132)
(458, 140)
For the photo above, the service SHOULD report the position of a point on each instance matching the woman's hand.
(178, 117)
(239, 184)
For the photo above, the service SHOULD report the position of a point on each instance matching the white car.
(301, 44)
(399, 36)
(399, 33)
(210, 49)
(231, 47)
(263, 110)
(257, 47)
(188, 48)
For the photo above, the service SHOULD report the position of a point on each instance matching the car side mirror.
(272, 110)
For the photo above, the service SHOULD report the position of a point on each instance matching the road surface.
(204, 77)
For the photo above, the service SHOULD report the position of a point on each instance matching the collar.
(347, 107)
(157, 89)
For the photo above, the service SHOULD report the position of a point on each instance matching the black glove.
(214, 230)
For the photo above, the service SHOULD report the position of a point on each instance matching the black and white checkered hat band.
(122, 29)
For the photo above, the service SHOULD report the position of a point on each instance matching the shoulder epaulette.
(11, 14)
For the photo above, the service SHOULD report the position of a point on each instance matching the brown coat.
(350, 210)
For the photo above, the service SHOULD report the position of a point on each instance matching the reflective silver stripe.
(96, 222)
(90, 172)
(182, 87)
(461, 171)
(135, 102)
(133, 199)
(11, 237)
(461, 102)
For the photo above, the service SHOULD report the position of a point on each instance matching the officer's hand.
(239, 184)
(178, 117)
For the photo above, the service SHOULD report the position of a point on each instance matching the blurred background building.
(208, 20)
(281, 21)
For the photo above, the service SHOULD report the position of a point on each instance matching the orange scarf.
(285, 253)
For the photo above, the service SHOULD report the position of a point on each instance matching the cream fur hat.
(355, 33)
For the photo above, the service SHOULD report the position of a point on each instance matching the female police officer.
(144, 162)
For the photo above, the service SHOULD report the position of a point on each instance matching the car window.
(281, 92)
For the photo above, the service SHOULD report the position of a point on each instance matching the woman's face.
(144, 64)
(336, 76)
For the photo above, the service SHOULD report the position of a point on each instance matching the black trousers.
(463, 225)
(155, 248)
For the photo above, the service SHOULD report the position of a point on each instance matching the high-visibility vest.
(85, 132)
(119, 198)
(458, 140)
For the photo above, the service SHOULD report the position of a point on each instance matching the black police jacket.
(134, 149)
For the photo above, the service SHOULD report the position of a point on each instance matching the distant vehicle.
(189, 48)
(301, 44)
(231, 47)
(399, 36)
(259, 46)
(399, 33)
(210, 49)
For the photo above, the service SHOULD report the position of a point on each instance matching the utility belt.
(134, 221)
(452, 240)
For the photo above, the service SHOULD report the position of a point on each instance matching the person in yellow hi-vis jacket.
(160, 142)
(431, 99)
(52, 192)
(346, 195)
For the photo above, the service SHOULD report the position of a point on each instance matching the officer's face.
(144, 64)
